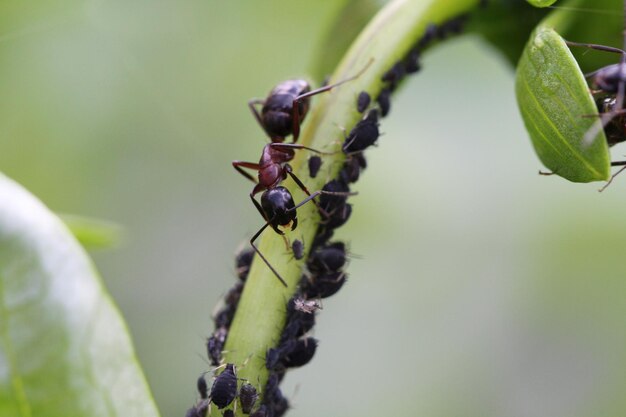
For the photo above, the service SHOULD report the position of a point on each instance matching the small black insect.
(394, 76)
(203, 389)
(198, 410)
(297, 248)
(453, 26)
(384, 101)
(215, 345)
(325, 285)
(351, 169)
(275, 356)
(315, 163)
(228, 413)
(247, 397)
(364, 134)
(302, 353)
(279, 404)
(412, 61)
(298, 323)
(224, 389)
(333, 203)
(260, 412)
(243, 260)
(363, 101)
(323, 235)
(429, 35)
(328, 258)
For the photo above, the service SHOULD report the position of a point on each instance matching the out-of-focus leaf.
(541, 3)
(93, 233)
(505, 24)
(64, 348)
(553, 98)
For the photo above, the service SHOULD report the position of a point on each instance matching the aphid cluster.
(281, 115)
(223, 392)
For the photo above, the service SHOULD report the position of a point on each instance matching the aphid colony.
(281, 115)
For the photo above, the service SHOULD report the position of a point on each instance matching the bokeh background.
(477, 287)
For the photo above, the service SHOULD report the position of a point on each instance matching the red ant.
(287, 105)
(282, 114)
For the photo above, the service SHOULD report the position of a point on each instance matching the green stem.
(388, 38)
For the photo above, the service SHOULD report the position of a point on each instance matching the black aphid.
(261, 412)
(339, 216)
(297, 248)
(272, 384)
(224, 389)
(203, 389)
(243, 260)
(384, 101)
(315, 163)
(328, 258)
(394, 75)
(228, 413)
(275, 356)
(332, 202)
(325, 285)
(364, 134)
(247, 397)
(351, 169)
(198, 410)
(279, 404)
(429, 35)
(215, 345)
(363, 101)
(302, 353)
(298, 324)
(412, 62)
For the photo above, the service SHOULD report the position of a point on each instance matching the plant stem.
(388, 38)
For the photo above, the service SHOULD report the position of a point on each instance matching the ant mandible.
(283, 112)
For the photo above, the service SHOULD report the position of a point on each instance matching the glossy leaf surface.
(554, 99)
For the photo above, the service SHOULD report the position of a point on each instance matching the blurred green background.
(480, 288)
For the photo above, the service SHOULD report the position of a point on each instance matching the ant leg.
(296, 102)
(614, 164)
(597, 47)
(238, 165)
(263, 257)
(252, 103)
(286, 146)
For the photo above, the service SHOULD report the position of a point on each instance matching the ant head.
(279, 208)
(610, 77)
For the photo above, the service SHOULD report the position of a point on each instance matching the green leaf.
(553, 98)
(64, 348)
(93, 233)
(541, 3)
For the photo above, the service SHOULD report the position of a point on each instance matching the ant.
(609, 91)
(282, 114)
(287, 105)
